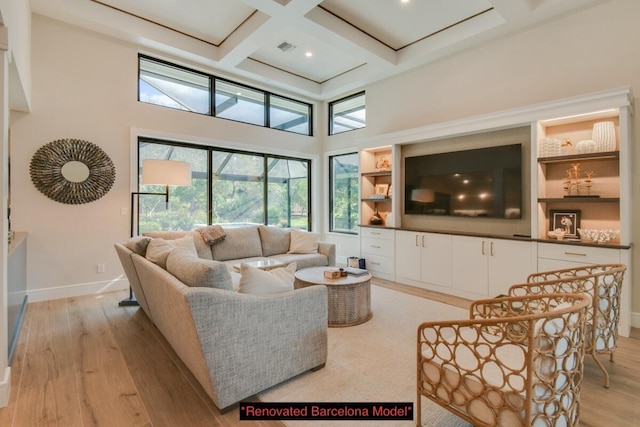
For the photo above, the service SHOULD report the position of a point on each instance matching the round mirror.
(75, 171)
(72, 171)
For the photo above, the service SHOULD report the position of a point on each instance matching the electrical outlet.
(100, 268)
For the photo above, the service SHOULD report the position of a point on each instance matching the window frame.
(212, 93)
(332, 106)
(209, 149)
(332, 228)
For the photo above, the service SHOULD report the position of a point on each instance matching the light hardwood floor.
(88, 362)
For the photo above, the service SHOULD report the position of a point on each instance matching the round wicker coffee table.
(349, 297)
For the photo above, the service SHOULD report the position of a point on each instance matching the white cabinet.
(484, 267)
(376, 247)
(559, 256)
(423, 258)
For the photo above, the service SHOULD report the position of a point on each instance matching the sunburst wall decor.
(96, 171)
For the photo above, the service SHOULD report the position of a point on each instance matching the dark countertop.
(503, 237)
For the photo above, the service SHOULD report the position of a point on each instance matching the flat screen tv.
(484, 182)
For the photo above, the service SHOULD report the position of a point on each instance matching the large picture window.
(343, 177)
(169, 85)
(228, 187)
(347, 114)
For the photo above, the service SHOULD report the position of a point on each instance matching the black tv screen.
(485, 182)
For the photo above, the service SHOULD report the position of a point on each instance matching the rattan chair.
(518, 361)
(605, 305)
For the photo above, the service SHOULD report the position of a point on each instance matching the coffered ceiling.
(350, 42)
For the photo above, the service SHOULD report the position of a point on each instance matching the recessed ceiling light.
(308, 54)
(404, 1)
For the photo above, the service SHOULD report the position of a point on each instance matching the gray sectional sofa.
(236, 344)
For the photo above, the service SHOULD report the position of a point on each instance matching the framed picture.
(565, 219)
(382, 190)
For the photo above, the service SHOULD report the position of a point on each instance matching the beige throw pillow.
(259, 282)
(303, 242)
(159, 249)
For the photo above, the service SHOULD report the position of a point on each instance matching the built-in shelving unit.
(376, 188)
(472, 265)
(588, 182)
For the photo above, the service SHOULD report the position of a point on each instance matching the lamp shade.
(166, 172)
(424, 195)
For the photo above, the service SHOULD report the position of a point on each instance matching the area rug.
(373, 362)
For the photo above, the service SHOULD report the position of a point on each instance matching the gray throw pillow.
(159, 249)
(138, 244)
(198, 272)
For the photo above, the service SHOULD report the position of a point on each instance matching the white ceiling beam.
(268, 23)
(328, 27)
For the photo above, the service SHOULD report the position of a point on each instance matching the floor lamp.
(158, 172)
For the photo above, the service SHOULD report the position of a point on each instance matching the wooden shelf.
(377, 173)
(386, 199)
(580, 157)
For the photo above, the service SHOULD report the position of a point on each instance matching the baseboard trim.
(5, 387)
(82, 289)
(635, 320)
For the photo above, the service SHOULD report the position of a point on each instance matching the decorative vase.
(604, 136)
(586, 146)
(550, 147)
(376, 219)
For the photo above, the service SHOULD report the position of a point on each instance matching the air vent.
(286, 46)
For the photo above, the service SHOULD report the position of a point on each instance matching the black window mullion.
(267, 109)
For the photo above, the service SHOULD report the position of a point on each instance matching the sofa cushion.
(259, 282)
(241, 242)
(303, 260)
(197, 272)
(159, 249)
(275, 240)
(204, 250)
(303, 242)
(138, 244)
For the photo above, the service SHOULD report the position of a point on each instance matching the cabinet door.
(436, 265)
(470, 265)
(408, 255)
(509, 263)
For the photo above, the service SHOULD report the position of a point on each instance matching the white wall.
(85, 87)
(596, 49)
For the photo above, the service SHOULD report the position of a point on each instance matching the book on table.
(356, 271)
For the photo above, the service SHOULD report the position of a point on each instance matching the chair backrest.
(602, 282)
(558, 356)
(516, 361)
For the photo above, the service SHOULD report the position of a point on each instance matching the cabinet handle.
(483, 247)
(374, 263)
(423, 241)
(575, 253)
(491, 249)
(375, 246)
(377, 233)
(417, 246)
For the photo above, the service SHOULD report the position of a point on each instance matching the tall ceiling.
(352, 42)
